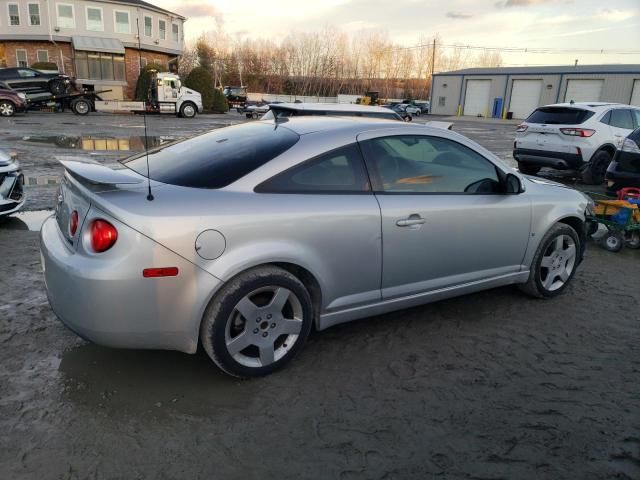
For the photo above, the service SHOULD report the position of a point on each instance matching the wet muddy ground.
(489, 386)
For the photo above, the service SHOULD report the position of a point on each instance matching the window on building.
(143, 63)
(94, 19)
(175, 34)
(42, 55)
(65, 16)
(122, 22)
(442, 101)
(34, 14)
(162, 28)
(21, 58)
(148, 26)
(14, 14)
(99, 66)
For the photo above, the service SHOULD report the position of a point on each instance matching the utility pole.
(433, 59)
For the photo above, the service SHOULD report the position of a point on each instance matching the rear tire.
(81, 106)
(7, 108)
(57, 87)
(257, 322)
(632, 239)
(593, 174)
(528, 169)
(554, 263)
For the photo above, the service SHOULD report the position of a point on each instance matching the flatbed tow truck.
(166, 95)
(80, 103)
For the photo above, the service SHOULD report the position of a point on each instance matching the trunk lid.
(74, 194)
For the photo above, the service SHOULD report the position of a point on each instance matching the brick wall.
(132, 67)
(60, 54)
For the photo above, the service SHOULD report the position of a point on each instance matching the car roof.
(304, 125)
(593, 106)
(331, 107)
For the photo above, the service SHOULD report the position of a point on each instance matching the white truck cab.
(168, 95)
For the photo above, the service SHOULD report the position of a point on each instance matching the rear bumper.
(544, 158)
(107, 301)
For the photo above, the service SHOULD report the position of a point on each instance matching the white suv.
(578, 136)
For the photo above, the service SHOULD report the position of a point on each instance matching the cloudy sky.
(612, 25)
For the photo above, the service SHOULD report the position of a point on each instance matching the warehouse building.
(94, 41)
(514, 92)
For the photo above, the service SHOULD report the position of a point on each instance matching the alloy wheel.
(264, 326)
(6, 109)
(558, 262)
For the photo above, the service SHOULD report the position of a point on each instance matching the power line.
(560, 51)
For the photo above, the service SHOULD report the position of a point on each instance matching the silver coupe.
(245, 238)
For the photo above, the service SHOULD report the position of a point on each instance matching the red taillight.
(73, 223)
(578, 132)
(160, 272)
(103, 236)
(521, 128)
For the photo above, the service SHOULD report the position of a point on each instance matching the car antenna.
(144, 118)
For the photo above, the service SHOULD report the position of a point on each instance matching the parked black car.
(28, 80)
(624, 169)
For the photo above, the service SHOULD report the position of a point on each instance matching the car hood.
(544, 181)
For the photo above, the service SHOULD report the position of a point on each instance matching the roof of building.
(143, 4)
(555, 69)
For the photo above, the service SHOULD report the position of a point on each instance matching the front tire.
(554, 263)
(7, 108)
(257, 322)
(188, 110)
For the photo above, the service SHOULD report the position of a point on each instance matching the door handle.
(411, 220)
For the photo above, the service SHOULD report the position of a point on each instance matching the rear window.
(559, 116)
(215, 159)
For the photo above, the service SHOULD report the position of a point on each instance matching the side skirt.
(384, 306)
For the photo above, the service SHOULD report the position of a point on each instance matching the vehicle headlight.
(22, 95)
(590, 210)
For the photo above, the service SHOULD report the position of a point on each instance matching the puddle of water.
(25, 220)
(90, 143)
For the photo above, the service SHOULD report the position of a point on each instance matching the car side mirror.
(513, 184)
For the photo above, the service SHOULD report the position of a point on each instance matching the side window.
(606, 119)
(636, 118)
(26, 73)
(621, 118)
(422, 164)
(339, 171)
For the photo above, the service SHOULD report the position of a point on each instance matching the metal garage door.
(476, 99)
(525, 97)
(583, 90)
(635, 93)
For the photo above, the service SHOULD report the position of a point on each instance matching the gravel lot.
(489, 386)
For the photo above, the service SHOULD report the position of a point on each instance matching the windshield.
(236, 91)
(215, 159)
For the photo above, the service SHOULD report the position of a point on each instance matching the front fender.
(547, 214)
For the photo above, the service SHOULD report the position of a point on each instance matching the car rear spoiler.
(98, 174)
(437, 124)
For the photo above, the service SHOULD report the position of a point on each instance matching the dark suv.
(624, 170)
(28, 80)
(11, 101)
